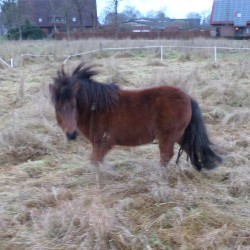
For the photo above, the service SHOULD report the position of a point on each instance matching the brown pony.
(108, 116)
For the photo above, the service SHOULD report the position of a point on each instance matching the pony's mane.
(90, 94)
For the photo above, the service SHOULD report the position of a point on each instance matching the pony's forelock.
(61, 91)
(62, 78)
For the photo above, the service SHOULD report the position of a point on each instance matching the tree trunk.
(20, 33)
(116, 18)
(80, 19)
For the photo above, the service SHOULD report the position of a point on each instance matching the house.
(164, 24)
(231, 18)
(62, 15)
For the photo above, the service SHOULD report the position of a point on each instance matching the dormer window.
(238, 14)
(57, 20)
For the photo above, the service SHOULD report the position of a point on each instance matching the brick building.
(62, 15)
(231, 18)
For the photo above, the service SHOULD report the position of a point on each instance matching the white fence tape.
(161, 47)
(134, 48)
(6, 64)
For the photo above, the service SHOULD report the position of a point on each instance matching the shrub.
(28, 32)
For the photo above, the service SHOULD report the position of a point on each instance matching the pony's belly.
(134, 139)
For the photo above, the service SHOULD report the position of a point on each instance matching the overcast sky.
(172, 8)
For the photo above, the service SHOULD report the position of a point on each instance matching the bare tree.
(205, 18)
(158, 15)
(193, 15)
(194, 19)
(67, 8)
(80, 6)
(53, 9)
(9, 12)
(15, 14)
(112, 11)
(131, 13)
(115, 3)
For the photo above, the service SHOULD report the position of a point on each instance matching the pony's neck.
(85, 122)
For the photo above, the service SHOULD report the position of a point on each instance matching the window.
(40, 20)
(238, 14)
(73, 19)
(57, 20)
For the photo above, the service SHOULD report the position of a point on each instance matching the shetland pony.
(107, 116)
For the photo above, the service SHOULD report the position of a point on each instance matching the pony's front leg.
(99, 151)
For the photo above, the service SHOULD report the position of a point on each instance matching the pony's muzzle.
(72, 135)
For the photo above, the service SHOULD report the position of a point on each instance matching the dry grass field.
(52, 198)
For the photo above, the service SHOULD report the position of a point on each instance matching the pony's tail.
(196, 142)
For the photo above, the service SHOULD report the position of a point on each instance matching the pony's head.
(63, 95)
(79, 93)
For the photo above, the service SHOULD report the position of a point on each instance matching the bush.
(28, 32)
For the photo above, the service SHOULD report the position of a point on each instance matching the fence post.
(161, 53)
(100, 50)
(11, 62)
(215, 54)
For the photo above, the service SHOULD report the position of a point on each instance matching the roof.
(236, 12)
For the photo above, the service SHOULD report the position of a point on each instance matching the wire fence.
(65, 58)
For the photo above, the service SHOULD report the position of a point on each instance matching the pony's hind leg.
(166, 151)
(167, 141)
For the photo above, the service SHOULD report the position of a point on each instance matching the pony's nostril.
(72, 136)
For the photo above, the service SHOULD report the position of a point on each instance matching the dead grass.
(52, 198)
